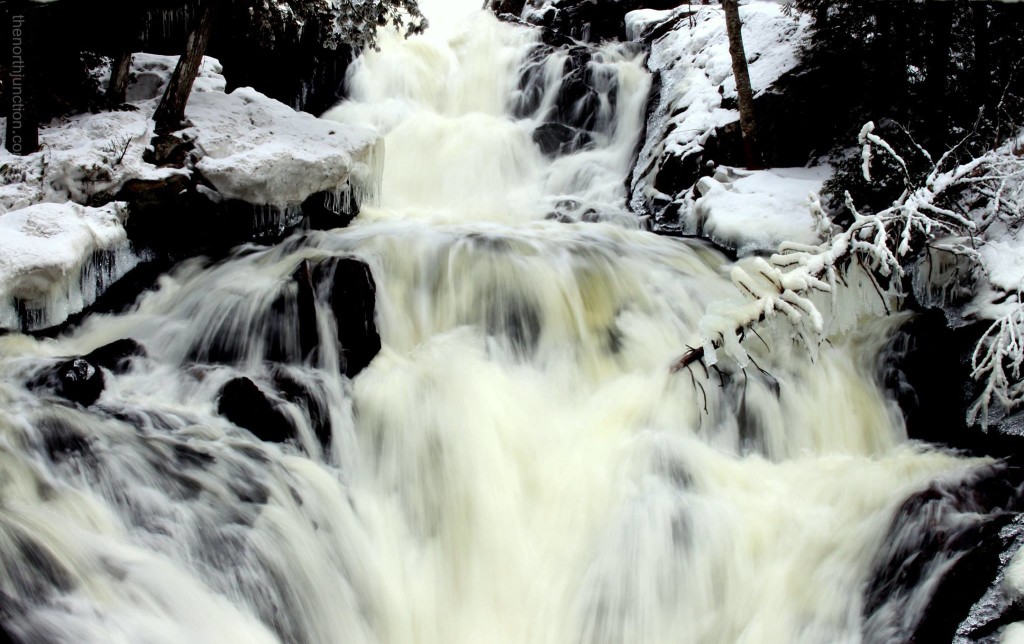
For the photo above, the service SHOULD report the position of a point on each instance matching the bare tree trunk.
(117, 89)
(171, 112)
(748, 127)
(22, 135)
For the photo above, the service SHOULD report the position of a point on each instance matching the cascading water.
(518, 464)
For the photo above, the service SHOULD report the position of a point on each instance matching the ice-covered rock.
(263, 152)
(56, 259)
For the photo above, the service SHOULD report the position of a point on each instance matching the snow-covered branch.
(929, 212)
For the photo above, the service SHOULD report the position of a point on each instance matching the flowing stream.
(518, 464)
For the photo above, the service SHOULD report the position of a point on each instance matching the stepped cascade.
(455, 420)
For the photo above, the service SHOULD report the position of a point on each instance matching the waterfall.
(517, 464)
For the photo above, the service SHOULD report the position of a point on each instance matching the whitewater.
(518, 464)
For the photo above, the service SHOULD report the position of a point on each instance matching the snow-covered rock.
(263, 152)
(56, 259)
(87, 158)
(757, 210)
(697, 91)
(57, 254)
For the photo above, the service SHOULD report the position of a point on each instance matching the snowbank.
(756, 211)
(56, 259)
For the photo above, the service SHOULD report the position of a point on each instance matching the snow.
(698, 63)
(1004, 263)
(757, 210)
(46, 255)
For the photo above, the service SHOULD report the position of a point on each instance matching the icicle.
(68, 295)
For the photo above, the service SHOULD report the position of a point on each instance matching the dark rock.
(6, 636)
(168, 150)
(555, 139)
(244, 404)
(511, 7)
(324, 211)
(942, 552)
(117, 356)
(286, 329)
(348, 286)
(580, 95)
(926, 368)
(290, 325)
(77, 380)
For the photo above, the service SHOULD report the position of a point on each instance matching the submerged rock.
(117, 356)
(79, 381)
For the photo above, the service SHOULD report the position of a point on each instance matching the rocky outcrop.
(585, 20)
(944, 550)
(246, 168)
(693, 123)
(285, 328)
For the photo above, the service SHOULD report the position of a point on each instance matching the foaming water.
(518, 464)
(456, 152)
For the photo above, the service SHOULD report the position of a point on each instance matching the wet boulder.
(77, 380)
(556, 139)
(283, 329)
(243, 403)
(81, 379)
(348, 286)
(310, 400)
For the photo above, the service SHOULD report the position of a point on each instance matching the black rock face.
(942, 552)
(593, 21)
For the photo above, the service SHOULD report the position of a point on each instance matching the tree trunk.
(748, 127)
(171, 112)
(117, 89)
(22, 136)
